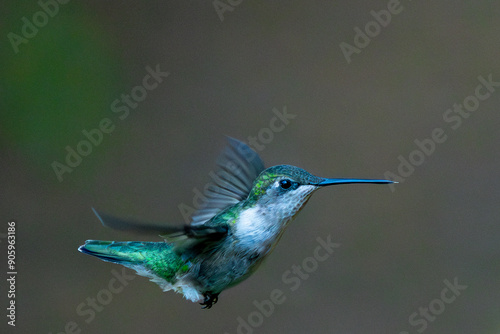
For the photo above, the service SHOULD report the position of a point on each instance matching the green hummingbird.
(245, 213)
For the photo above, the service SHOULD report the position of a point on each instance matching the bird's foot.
(210, 300)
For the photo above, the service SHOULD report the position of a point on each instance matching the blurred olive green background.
(352, 120)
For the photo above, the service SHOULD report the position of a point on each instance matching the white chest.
(258, 228)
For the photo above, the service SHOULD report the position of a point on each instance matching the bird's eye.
(285, 184)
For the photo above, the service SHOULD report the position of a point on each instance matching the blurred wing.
(196, 239)
(188, 240)
(238, 166)
(134, 226)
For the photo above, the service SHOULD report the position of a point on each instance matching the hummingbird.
(244, 214)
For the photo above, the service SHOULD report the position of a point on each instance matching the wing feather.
(238, 166)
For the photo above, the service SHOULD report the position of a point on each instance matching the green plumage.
(156, 257)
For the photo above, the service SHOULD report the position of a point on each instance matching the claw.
(210, 300)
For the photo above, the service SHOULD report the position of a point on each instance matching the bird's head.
(286, 188)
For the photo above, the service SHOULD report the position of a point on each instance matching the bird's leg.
(210, 299)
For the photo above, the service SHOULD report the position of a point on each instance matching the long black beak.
(329, 182)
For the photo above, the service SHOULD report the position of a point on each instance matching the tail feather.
(125, 253)
(155, 260)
